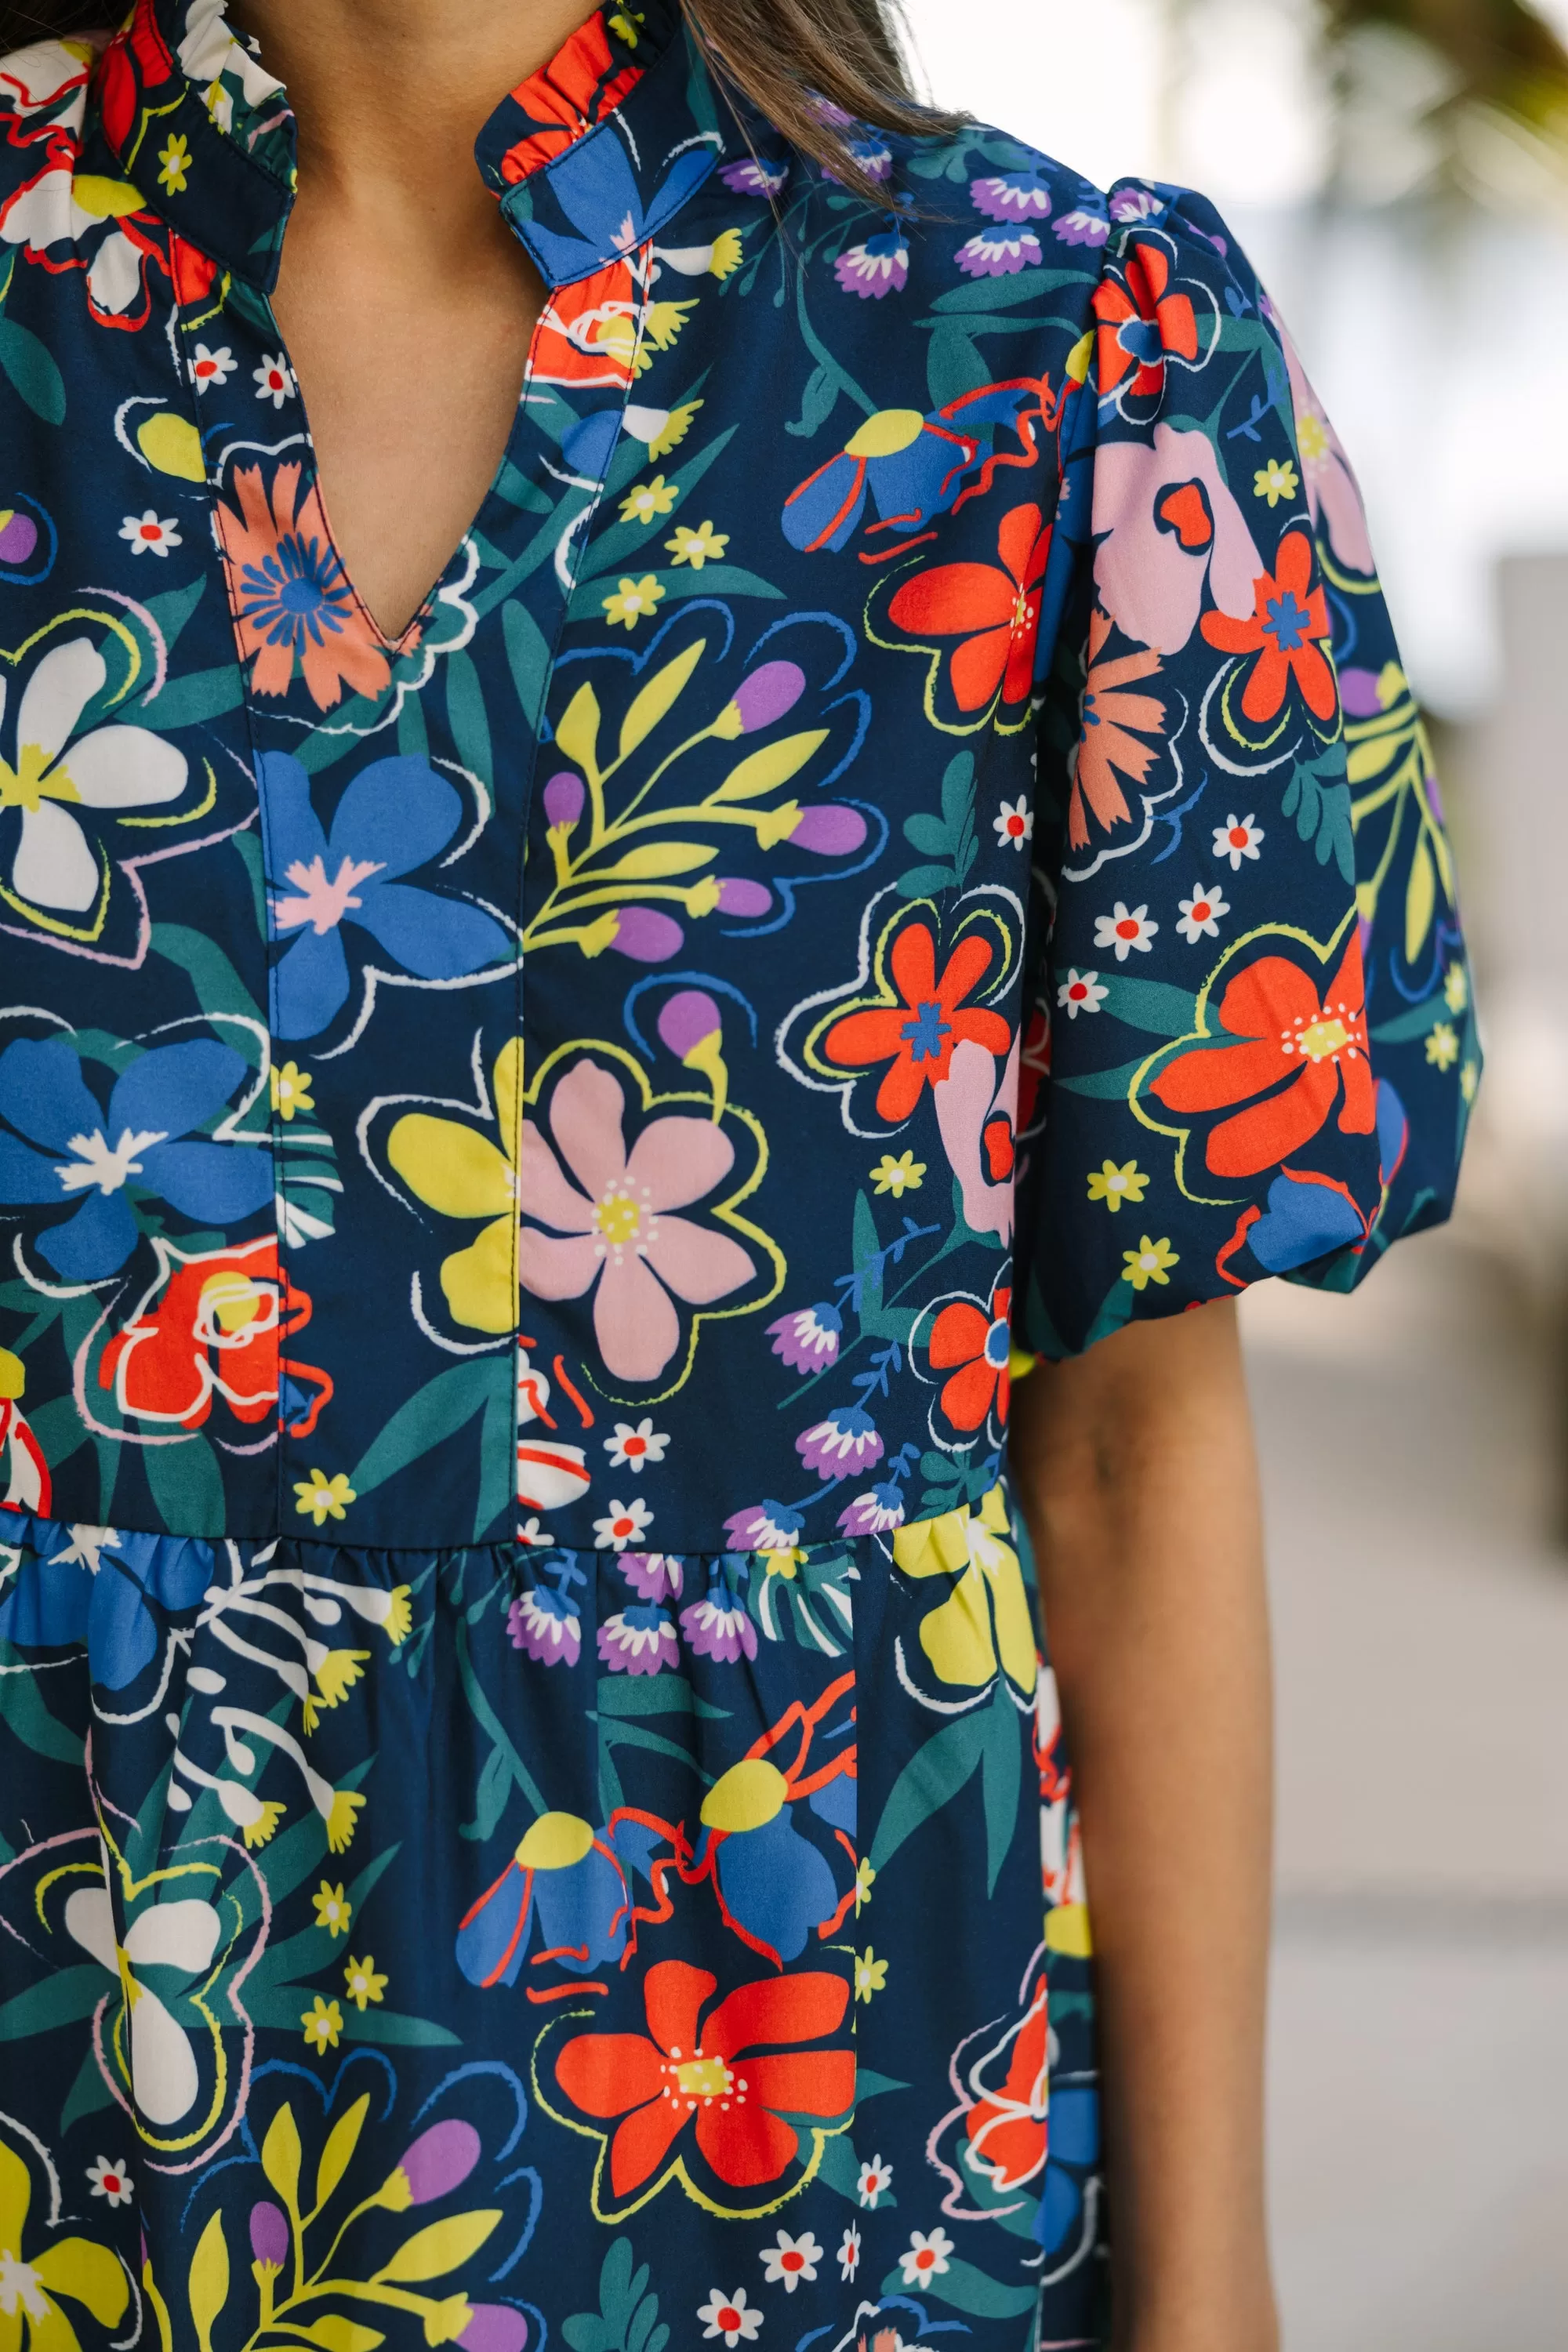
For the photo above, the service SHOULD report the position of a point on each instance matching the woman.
(896, 847)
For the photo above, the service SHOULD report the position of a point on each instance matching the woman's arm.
(1137, 1474)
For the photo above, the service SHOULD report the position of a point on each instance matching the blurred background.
(1398, 171)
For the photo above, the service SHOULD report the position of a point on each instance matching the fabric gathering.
(534, 1152)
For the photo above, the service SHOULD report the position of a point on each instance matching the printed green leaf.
(1002, 1774)
(528, 657)
(993, 294)
(219, 986)
(1100, 1085)
(187, 1485)
(658, 696)
(61, 1998)
(189, 702)
(171, 611)
(32, 372)
(342, 2142)
(967, 2289)
(430, 1416)
(925, 881)
(931, 1779)
(1151, 1005)
(466, 714)
(953, 365)
(493, 1495)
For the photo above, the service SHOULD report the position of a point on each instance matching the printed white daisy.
(876, 2179)
(630, 1448)
(208, 367)
(622, 1525)
(273, 380)
(1015, 823)
(728, 2316)
(151, 533)
(849, 2253)
(1201, 913)
(1125, 930)
(531, 1532)
(111, 2181)
(1237, 838)
(1082, 992)
(792, 2260)
(925, 2257)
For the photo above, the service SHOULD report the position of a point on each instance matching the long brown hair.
(775, 53)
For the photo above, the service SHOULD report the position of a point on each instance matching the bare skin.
(404, 300)
(1136, 1471)
(407, 306)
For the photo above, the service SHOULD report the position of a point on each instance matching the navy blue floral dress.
(531, 1151)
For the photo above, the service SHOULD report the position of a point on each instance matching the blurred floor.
(1420, 2036)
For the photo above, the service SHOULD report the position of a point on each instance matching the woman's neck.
(389, 95)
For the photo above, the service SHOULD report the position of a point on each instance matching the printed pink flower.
(1166, 524)
(613, 1226)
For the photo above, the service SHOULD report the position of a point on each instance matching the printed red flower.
(214, 1330)
(1318, 1049)
(917, 1035)
(1141, 321)
(1006, 2126)
(1112, 721)
(993, 608)
(1286, 632)
(980, 1346)
(682, 2073)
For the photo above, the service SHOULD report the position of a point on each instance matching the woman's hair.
(783, 56)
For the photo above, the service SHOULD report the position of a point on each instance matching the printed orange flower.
(682, 2072)
(1141, 321)
(1286, 631)
(292, 599)
(980, 1346)
(1318, 1049)
(1108, 742)
(917, 1035)
(993, 608)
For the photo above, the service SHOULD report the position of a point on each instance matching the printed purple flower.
(999, 253)
(439, 2159)
(717, 1627)
(1360, 693)
(843, 1442)
(268, 2234)
(880, 266)
(19, 537)
(545, 1624)
(1135, 205)
(738, 896)
(646, 936)
(761, 698)
(652, 1575)
(829, 830)
(638, 1640)
(764, 1527)
(689, 1024)
(753, 177)
(808, 1337)
(564, 795)
(1083, 226)
(1011, 196)
(494, 2328)
(874, 1512)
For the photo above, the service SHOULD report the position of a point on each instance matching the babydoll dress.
(531, 1804)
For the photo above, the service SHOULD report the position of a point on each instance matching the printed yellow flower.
(259, 1815)
(986, 1620)
(1312, 438)
(904, 1174)
(1149, 1262)
(698, 547)
(1443, 1047)
(864, 1879)
(626, 25)
(631, 600)
(664, 428)
(729, 252)
(174, 156)
(363, 1983)
(334, 1909)
(461, 1172)
(1279, 479)
(76, 2269)
(336, 1674)
(663, 323)
(1113, 1185)
(322, 1498)
(870, 1974)
(290, 1090)
(341, 1815)
(1457, 988)
(1469, 1079)
(322, 2024)
(646, 503)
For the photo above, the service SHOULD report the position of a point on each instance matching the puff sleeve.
(1252, 1048)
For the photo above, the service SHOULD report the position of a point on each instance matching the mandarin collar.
(591, 155)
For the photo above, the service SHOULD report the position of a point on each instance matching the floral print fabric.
(832, 898)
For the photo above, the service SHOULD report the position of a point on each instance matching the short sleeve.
(1252, 1048)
